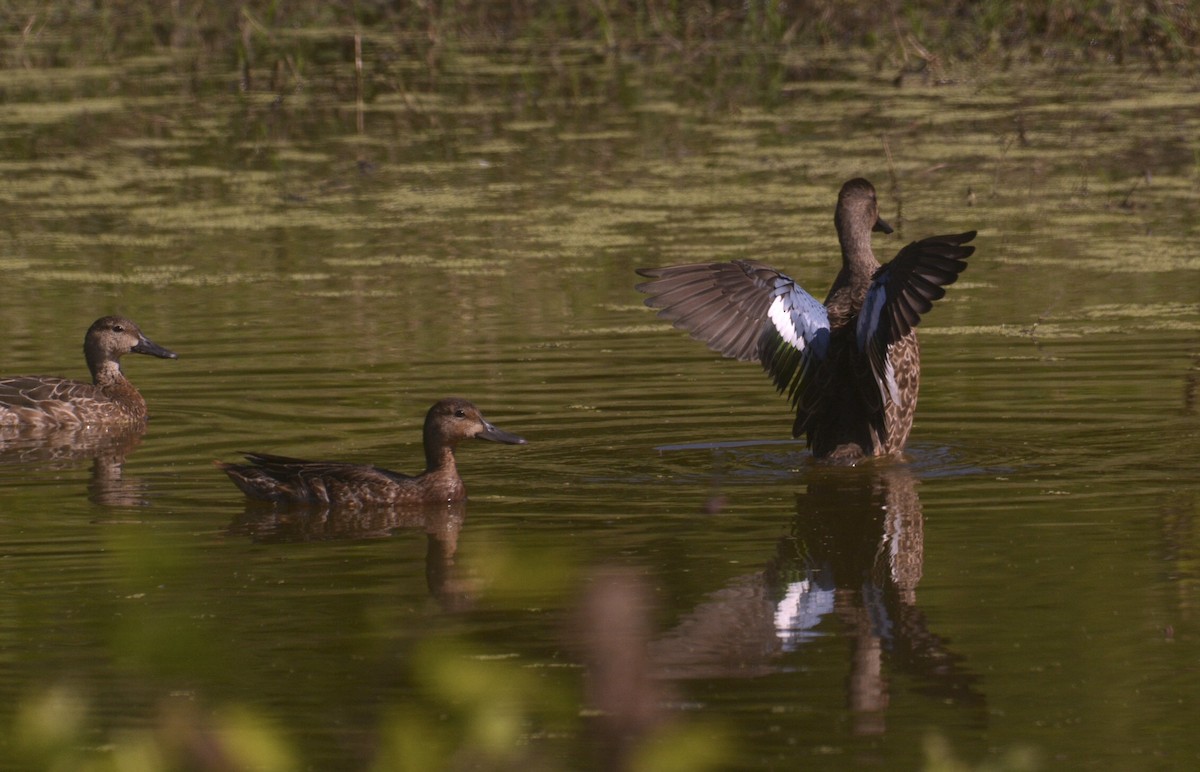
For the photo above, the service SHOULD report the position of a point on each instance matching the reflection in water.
(1180, 527)
(441, 523)
(849, 567)
(61, 447)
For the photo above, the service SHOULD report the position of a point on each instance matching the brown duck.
(850, 366)
(37, 401)
(335, 484)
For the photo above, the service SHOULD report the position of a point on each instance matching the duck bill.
(499, 435)
(147, 346)
(881, 226)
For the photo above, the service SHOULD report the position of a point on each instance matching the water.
(1025, 580)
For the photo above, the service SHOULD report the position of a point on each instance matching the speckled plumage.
(287, 480)
(851, 365)
(109, 400)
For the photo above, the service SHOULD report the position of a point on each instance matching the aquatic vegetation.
(920, 38)
(342, 208)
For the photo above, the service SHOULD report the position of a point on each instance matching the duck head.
(111, 337)
(453, 419)
(858, 210)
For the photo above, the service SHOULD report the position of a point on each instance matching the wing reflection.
(849, 568)
(67, 447)
(442, 522)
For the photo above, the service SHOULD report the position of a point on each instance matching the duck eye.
(118, 328)
(460, 413)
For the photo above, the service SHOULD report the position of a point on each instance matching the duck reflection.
(441, 523)
(849, 567)
(66, 447)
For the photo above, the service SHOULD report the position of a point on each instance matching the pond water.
(1025, 584)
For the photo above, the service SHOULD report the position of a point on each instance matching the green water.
(1025, 581)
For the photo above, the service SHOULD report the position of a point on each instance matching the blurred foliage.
(478, 723)
(61, 32)
(52, 731)
(475, 711)
(940, 757)
(470, 705)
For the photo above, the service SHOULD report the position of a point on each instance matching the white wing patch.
(889, 378)
(801, 610)
(800, 319)
(782, 319)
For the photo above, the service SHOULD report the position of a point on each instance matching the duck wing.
(900, 293)
(44, 400)
(745, 310)
(286, 479)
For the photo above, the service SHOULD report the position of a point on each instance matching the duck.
(851, 366)
(39, 402)
(340, 485)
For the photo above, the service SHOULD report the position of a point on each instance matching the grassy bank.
(63, 32)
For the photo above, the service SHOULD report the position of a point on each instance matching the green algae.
(316, 269)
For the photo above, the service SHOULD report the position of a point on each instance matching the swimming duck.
(38, 401)
(335, 484)
(850, 366)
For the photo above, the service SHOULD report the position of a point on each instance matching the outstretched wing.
(745, 310)
(901, 292)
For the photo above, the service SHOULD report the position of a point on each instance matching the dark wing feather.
(745, 310)
(721, 304)
(902, 291)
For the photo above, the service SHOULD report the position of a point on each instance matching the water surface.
(1025, 579)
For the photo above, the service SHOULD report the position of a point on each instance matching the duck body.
(285, 480)
(45, 402)
(850, 365)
